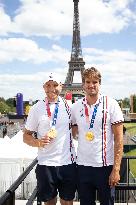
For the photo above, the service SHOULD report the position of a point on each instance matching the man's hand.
(114, 178)
(46, 140)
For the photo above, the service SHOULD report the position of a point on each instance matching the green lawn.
(132, 161)
(131, 128)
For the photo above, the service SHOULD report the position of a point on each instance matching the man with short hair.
(98, 121)
(56, 169)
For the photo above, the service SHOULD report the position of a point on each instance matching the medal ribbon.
(87, 113)
(48, 108)
(54, 120)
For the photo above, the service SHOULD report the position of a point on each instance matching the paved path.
(127, 140)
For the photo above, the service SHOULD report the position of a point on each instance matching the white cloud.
(5, 22)
(50, 18)
(118, 70)
(45, 18)
(30, 85)
(109, 56)
(27, 50)
(53, 18)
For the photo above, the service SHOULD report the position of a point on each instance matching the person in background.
(97, 119)
(124, 129)
(56, 169)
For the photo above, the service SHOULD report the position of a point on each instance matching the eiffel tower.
(76, 62)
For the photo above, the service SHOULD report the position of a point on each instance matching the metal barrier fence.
(125, 192)
(8, 198)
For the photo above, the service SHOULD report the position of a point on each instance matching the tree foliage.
(11, 103)
(134, 103)
(4, 108)
(7, 106)
(126, 103)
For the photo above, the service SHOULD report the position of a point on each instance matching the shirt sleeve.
(32, 122)
(116, 112)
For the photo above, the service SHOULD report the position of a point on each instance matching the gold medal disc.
(89, 136)
(52, 133)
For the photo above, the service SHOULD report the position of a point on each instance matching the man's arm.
(118, 153)
(28, 138)
(118, 145)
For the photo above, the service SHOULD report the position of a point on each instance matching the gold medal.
(89, 136)
(52, 133)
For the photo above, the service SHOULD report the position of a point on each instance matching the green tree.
(4, 108)
(11, 103)
(126, 103)
(2, 99)
(134, 103)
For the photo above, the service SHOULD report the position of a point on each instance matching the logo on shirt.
(82, 113)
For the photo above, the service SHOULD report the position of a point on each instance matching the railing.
(125, 192)
(8, 198)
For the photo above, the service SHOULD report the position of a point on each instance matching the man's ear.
(60, 86)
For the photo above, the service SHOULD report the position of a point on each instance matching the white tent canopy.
(15, 156)
(15, 148)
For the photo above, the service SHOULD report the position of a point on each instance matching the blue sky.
(36, 39)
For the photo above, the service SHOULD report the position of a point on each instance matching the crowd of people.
(3, 129)
(96, 121)
(9, 128)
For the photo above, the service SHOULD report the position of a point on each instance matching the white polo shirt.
(61, 150)
(100, 151)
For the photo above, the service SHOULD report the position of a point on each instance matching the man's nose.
(90, 84)
(52, 88)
